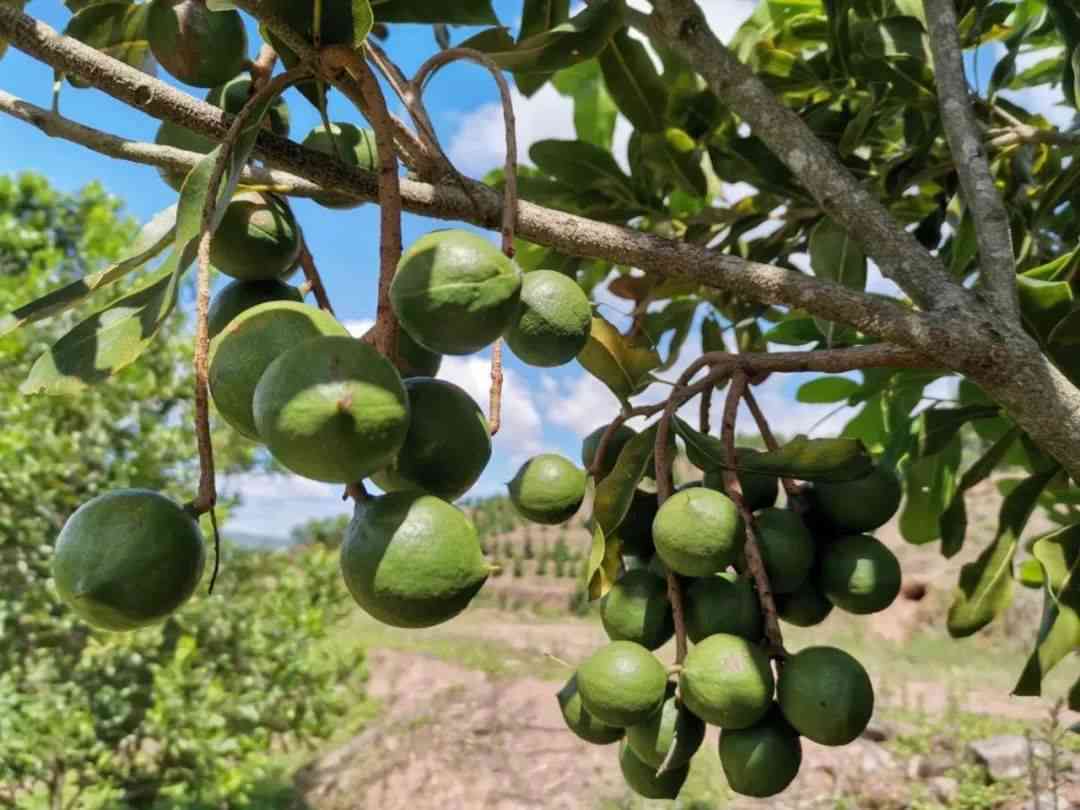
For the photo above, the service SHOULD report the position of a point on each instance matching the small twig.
(678, 613)
(217, 551)
(207, 498)
(412, 98)
(495, 406)
(792, 489)
(754, 561)
(262, 68)
(705, 415)
(611, 429)
(510, 204)
(357, 491)
(314, 281)
(340, 57)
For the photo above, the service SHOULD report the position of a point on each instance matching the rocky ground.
(468, 717)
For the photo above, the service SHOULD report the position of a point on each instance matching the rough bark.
(956, 330)
(997, 264)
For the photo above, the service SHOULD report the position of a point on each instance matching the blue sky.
(544, 409)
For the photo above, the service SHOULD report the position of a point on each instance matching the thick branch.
(682, 24)
(997, 263)
(482, 206)
(963, 336)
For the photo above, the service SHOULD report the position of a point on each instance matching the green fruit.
(412, 560)
(455, 292)
(248, 344)
(698, 532)
(233, 96)
(725, 603)
(619, 438)
(554, 322)
(199, 47)
(240, 296)
(726, 681)
(804, 607)
(637, 609)
(127, 559)
(862, 505)
(448, 444)
(787, 548)
(761, 760)
(349, 144)
(635, 531)
(643, 780)
(859, 574)
(621, 684)
(651, 740)
(826, 695)
(548, 489)
(759, 491)
(580, 721)
(258, 238)
(414, 360)
(332, 409)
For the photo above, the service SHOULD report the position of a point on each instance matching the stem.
(705, 414)
(263, 67)
(678, 612)
(792, 489)
(373, 103)
(609, 433)
(754, 561)
(997, 263)
(495, 405)
(314, 280)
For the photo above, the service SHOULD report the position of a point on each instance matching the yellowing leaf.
(621, 363)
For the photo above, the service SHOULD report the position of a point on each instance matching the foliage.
(859, 75)
(327, 532)
(188, 708)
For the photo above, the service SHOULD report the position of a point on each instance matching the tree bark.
(955, 330)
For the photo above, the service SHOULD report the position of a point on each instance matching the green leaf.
(1043, 304)
(363, 21)
(605, 560)
(152, 240)
(616, 491)
(985, 586)
(633, 82)
(802, 458)
(929, 487)
(676, 158)
(538, 16)
(940, 425)
(581, 165)
(1030, 574)
(827, 389)
(676, 317)
(459, 12)
(1059, 555)
(577, 40)
(595, 112)
(795, 332)
(106, 342)
(836, 257)
(622, 363)
(116, 29)
(1063, 343)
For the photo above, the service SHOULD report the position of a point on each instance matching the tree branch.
(481, 205)
(997, 263)
(682, 24)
